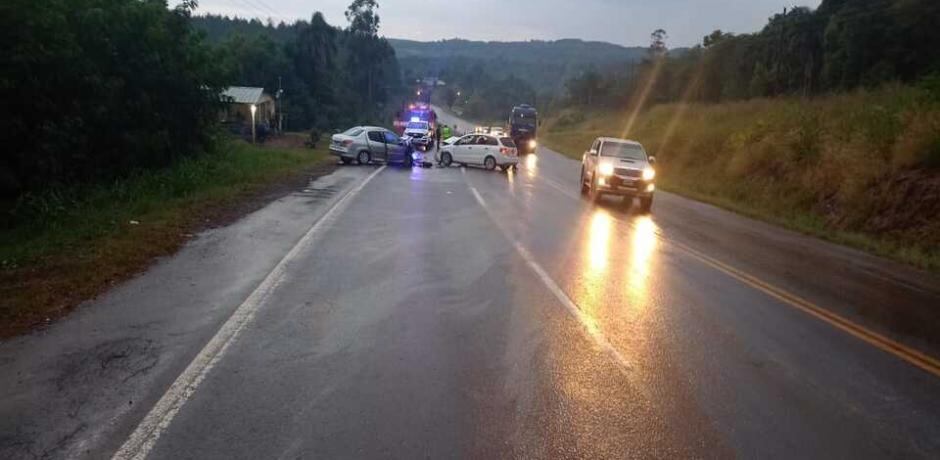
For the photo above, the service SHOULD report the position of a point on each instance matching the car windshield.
(418, 125)
(622, 150)
(352, 132)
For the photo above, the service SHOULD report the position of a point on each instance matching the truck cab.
(523, 128)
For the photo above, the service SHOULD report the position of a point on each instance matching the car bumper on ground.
(614, 185)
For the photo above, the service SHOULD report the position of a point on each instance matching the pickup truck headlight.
(606, 169)
(532, 144)
(649, 174)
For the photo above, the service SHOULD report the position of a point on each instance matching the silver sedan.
(366, 144)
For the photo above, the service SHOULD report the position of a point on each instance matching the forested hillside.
(330, 77)
(826, 120)
(486, 74)
(533, 71)
(839, 46)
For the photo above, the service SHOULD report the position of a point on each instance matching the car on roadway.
(420, 133)
(366, 144)
(483, 150)
(618, 167)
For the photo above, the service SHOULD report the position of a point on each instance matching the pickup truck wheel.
(446, 159)
(364, 157)
(584, 185)
(646, 204)
(489, 163)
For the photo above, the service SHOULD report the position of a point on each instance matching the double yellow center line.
(906, 353)
(886, 344)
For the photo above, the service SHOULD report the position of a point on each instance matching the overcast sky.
(626, 22)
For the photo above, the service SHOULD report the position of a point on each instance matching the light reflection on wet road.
(421, 324)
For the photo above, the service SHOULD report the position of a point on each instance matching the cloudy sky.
(626, 22)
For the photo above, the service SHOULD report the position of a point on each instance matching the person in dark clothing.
(437, 136)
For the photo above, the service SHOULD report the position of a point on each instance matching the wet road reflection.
(599, 241)
(531, 165)
(643, 246)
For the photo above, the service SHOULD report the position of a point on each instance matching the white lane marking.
(145, 436)
(561, 188)
(589, 324)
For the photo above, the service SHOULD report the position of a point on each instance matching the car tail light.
(507, 151)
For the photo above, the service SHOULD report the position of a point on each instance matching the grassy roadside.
(62, 248)
(860, 169)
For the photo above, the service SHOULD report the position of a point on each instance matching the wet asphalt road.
(463, 313)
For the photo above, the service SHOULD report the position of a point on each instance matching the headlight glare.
(606, 169)
(649, 174)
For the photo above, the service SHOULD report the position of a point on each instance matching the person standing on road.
(437, 137)
(446, 132)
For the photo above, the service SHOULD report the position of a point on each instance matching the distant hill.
(545, 65)
(571, 51)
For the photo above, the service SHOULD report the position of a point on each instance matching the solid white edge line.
(144, 437)
(588, 323)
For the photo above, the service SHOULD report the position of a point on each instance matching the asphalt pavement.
(462, 313)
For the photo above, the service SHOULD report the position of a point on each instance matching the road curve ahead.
(439, 313)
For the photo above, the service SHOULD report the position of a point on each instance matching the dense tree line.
(331, 77)
(96, 88)
(841, 45)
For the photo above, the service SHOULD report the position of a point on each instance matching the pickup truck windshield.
(626, 151)
(418, 125)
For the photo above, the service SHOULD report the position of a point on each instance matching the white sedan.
(481, 150)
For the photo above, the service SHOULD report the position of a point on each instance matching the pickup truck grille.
(628, 172)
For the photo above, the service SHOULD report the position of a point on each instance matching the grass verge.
(860, 169)
(69, 245)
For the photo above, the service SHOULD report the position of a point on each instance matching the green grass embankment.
(64, 247)
(862, 168)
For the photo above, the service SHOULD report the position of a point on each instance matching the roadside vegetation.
(860, 168)
(826, 121)
(113, 153)
(71, 243)
(332, 78)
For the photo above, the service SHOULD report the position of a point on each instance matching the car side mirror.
(652, 160)
(592, 153)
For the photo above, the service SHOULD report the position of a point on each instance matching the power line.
(265, 9)
(253, 9)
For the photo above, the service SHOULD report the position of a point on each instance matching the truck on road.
(523, 128)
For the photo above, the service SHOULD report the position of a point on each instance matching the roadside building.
(238, 102)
